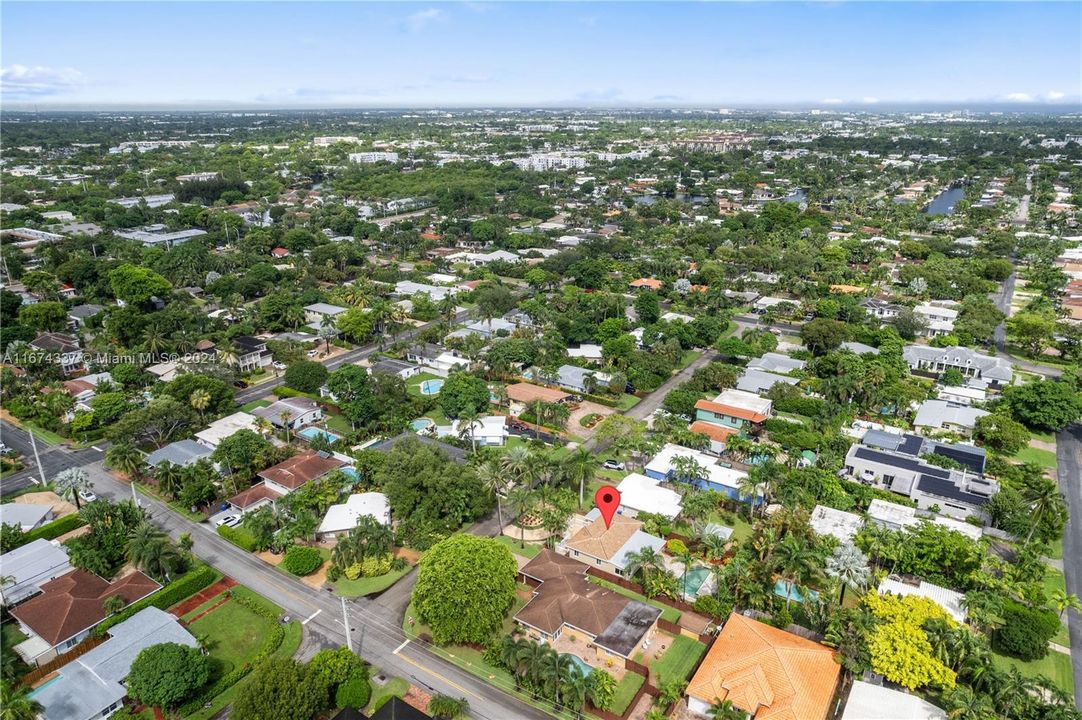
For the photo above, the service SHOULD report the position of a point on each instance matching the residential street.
(653, 401)
(377, 635)
(1069, 462)
(54, 458)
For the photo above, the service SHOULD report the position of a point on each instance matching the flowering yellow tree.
(898, 645)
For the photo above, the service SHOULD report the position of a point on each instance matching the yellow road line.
(453, 684)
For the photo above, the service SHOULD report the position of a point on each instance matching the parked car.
(279, 366)
(613, 465)
(312, 353)
(87, 496)
(228, 521)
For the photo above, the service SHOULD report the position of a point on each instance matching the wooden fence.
(61, 660)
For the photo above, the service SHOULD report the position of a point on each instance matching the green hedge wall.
(183, 587)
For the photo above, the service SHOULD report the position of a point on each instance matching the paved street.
(1002, 299)
(653, 401)
(377, 632)
(1069, 462)
(54, 458)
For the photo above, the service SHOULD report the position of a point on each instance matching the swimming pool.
(582, 665)
(783, 589)
(421, 424)
(311, 433)
(431, 387)
(696, 576)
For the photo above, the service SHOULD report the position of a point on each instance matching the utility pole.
(37, 459)
(345, 623)
(134, 497)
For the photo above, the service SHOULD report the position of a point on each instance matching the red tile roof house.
(69, 607)
(649, 283)
(284, 478)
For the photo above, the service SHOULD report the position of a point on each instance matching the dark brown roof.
(75, 602)
(55, 341)
(301, 468)
(567, 597)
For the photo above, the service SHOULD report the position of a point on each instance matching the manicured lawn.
(1054, 666)
(367, 585)
(1043, 436)
(339, 424)
(625, 692)
(11, 636)
(250, 406)
(290, 643)
(679, 659)
(627, 402)
(689, 357)
(529, 551)
(1053, 580)
(234, 635)
(668, 613)
(394, 687)
(1044, 458)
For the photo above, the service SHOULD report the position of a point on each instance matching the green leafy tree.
(1001, 433)
(464, 589)
(1045, 405)
(280, 689)
(822, 335)
(165, 675)
(306, 376)
(44, 316)
(135, 285)
(461, 391)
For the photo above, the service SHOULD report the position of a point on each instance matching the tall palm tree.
(582, 468)
(850, 566)
(70, 482)
(518, 464)
(285, 416)
(1064, 602)
(1043, 497)
(493, 478)
(126, 458)
(522, 500)
(645, 561)
(467, 419)
(532, 656)
(686, 558)
(150, 550)
(16, 702)
(200, 401)
(169, 477)
(965, 704)
(796, 563)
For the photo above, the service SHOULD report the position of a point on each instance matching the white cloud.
(1055, 95)
(869, 100)
(1019, 97)
(422, 19)
(832, 101)
(38, 80)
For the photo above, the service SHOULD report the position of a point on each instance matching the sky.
(282, 54)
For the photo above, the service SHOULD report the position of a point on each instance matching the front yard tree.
(1044, 404)
(165, 675)
(281, 689)
(465, 588)
(822, 335)
(306, 376)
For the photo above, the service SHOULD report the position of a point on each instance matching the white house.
(488, 431)
(31, 566)
(291, 412)
(341, 519)
(639, 493)
(943, 415)
(838, 524)
(225, 427)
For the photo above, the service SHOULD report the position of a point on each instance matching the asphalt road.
(1002, 299)
(376, 623)
(54, 458)
(263, 389)
(1069, 466)
(652, 402)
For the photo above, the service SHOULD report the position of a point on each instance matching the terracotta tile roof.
(729, 410)
(651, 283)
(770, 673)
(526, 393)
(712, 431)
(598, 541)
(252, 495)
(848, 289)
(75, 387)
(74, 602)
(301, 468)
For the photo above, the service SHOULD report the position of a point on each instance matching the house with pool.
(596, 625)
(673, 461)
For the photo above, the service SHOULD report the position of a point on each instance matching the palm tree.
(285, 416)
(328, 328)
(168, 476)
(796, 563)
(518, 464)
(467, 418)
(200, 401)
(70, 482)
(492, 477)
(713, 546)
(227, 353)
(965, 704)
(126, 458)
(749, 490)
(725, 710)
(16, 702)
(686, 558)
(522, 500)
(850, 566)
(1043, 497)
(582, 468)
(538, 416)
(1064, 602)
(645, 561)
(150, 550)
(532, 656)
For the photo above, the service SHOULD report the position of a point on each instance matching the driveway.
(653, 401)
(575, 427)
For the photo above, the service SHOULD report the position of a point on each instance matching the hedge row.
(241, 538)
(58, 527)
(273, 642)
(183, 587)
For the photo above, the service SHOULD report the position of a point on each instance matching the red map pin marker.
(607, 499)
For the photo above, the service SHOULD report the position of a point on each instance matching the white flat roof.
(644, 494)
(745, 401)
(874, 702)
(837, 523)
(345, 516)
(224, 427)
(945, 598)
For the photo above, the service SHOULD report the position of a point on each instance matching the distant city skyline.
(343, 55)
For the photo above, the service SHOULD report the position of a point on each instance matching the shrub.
(1026, 631)
(56, 528)
(239, 537)
(301, 560)
(711, 606)
(353, 693)
(375, 565)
